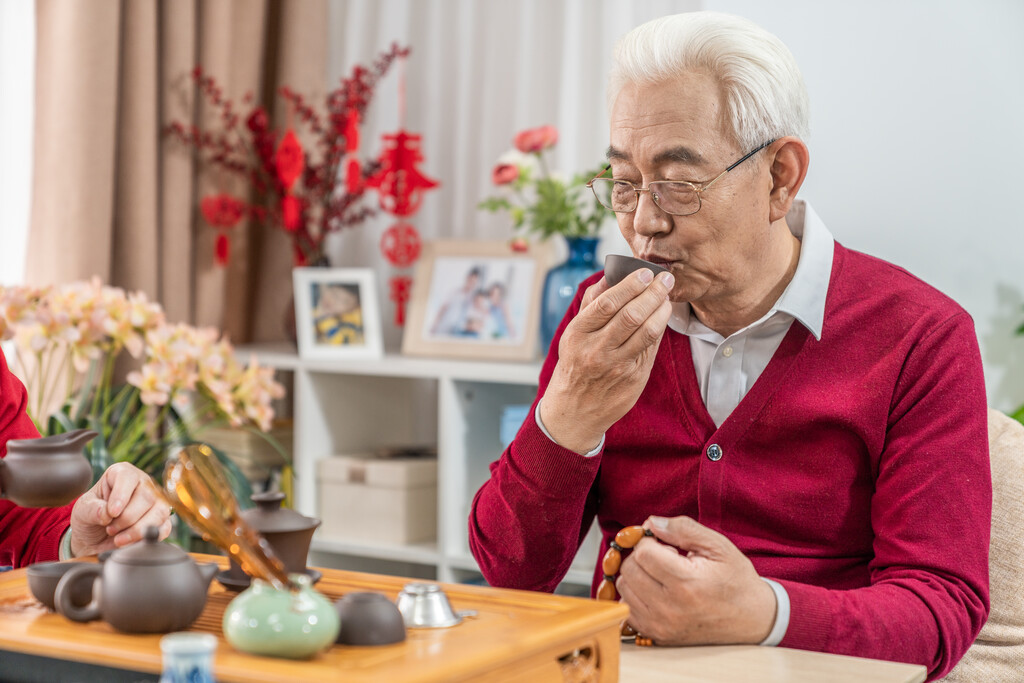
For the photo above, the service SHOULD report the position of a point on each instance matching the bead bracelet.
(624, 540)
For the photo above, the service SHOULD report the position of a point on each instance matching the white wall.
(917, 146)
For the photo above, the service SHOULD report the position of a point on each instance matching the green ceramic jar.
(278, 623)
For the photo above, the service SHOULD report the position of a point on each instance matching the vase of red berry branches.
(306, 191)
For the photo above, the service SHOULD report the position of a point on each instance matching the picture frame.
(337, 315)
(476, 299)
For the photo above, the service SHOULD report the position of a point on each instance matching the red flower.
(222, 210)
(535, 140)
(503, 174)
(291, 212)
(519, 245)
(290, 159)
(222, 249)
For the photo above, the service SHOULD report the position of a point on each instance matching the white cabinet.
(353, 406)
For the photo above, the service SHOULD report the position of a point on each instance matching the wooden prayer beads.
(610, 564)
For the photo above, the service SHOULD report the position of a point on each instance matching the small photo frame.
(476, 300)
(336, 313)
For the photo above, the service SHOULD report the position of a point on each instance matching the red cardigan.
(27, 535)
(855, 472)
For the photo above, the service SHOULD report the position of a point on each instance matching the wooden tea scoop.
(196, 487)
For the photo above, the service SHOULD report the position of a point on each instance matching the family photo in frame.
(477, 300)
(336, 313)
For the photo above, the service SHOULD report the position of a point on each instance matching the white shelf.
(416, 553)
(284, 357)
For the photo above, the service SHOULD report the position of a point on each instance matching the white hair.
(765, 94)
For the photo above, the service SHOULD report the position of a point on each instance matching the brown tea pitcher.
(46, 472)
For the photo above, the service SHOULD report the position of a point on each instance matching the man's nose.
(649, 218)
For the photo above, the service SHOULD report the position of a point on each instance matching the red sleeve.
(27, 535)
(529, 519)
(931, 513)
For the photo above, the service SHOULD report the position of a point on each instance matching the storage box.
(378, 500)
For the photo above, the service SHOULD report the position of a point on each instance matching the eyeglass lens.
(676, 198)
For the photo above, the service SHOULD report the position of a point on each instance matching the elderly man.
(802, 426)
(113, 513)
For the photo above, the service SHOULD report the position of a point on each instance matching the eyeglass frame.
(697, 189)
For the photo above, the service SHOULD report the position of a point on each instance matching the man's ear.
(789, 161)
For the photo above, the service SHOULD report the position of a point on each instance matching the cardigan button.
(714, 452)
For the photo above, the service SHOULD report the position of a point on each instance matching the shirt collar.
(804, 297)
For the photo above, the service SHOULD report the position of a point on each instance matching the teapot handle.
(62, 596)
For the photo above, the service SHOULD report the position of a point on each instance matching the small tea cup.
(369, 619)
(43, 578)
(618, 266)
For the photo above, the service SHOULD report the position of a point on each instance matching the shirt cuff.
(64, 549)
(589, 454)
(778, 631)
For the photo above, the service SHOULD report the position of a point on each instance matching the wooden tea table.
(517, 636)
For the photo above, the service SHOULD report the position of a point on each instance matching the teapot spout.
(208, 571)
(77, 438)
(66, 442)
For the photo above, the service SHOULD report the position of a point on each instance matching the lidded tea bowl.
(288, 532)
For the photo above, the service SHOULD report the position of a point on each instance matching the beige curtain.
(113, 197)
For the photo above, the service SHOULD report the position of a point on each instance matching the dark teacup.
(43, 578)
(618, 266)
(369, 619)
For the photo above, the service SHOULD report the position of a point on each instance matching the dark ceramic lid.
(150, 552)
(269, 517)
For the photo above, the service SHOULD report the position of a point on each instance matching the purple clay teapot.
(149, 587)
(46, 472)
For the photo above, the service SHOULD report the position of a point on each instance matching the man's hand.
(707, 592)
(116, 511)
(605, 358)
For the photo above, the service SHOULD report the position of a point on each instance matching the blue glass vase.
(561, 283)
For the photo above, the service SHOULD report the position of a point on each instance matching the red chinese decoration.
(290, 160)
(291, 212)
(222, 210)
(353, 170)
(401, 289)
(401, 245)
(222, 249)
(400, 185)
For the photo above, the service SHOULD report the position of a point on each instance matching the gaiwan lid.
(151, 552)
(269, 517)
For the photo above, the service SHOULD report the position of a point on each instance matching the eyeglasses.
(676, 197)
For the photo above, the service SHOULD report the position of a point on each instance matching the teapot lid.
(150, 552)
(269, 517)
